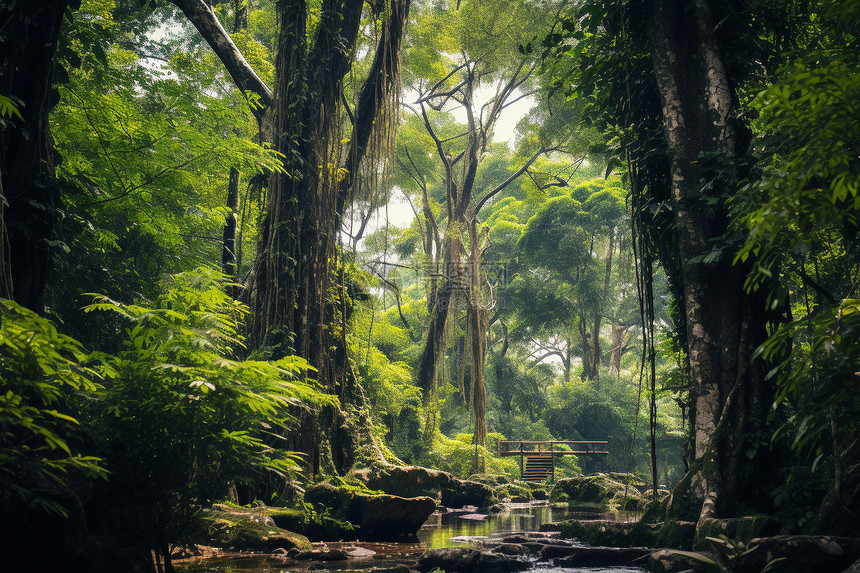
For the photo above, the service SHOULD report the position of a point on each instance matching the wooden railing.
(528, 449)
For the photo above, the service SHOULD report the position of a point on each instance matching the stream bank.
(465, 529)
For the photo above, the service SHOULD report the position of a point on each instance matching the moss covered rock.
(676, 534)
(414, 481)
(405, 481)
(516, 492)
(610, 533)
(376, 515)
(672, 534)
(618, 490)
(248, 528)
(288, 518)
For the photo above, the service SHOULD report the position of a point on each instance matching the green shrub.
(182, 417)
(41, 374)
(458, 456)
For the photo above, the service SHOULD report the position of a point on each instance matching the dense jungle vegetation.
(248, 245)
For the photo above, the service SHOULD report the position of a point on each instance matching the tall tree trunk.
(451, 281)
(723, 326)
(607, 283)
(228, 252)
(298, 250)
(619, 334)
(29, 197)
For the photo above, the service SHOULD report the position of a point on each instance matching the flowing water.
(461, 528)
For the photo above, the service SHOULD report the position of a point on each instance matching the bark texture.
(723, 324)
(298, 305)
(29, 197)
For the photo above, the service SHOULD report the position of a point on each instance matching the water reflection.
(456, 528)
(451, 529)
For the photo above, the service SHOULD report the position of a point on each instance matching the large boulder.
(405, 481)
(464, 560)
(377, 516)
(459, 493)
(801, 554)
(413, 481)
(248, 528)
(618, 490)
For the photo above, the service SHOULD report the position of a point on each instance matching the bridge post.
(521, 460)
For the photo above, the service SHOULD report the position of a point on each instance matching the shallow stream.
(460, 528)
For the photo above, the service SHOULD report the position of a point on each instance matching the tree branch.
(507, 181)
(203, 17)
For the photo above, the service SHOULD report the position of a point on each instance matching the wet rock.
(329, 555)
(390, 516)
(601, 489)
(610, 533)
(549, 552)
(604, 557)
(321, 555)
(534, 547)
(249, 528)
(802, 553)
(533, 537)
(463, 560)
(855, 568)
(457, 493)
(377, 516)
(510, 549)
(668, 561)
(415, 481)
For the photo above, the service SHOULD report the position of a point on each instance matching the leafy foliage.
(457, 456)
(42, 375)
(182, 416)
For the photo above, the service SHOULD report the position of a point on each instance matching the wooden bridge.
(537, 459)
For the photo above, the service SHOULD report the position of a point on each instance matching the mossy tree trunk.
(723, 324)
(296, 306)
